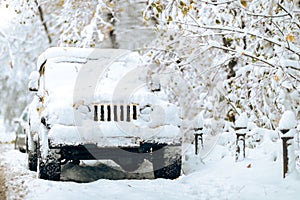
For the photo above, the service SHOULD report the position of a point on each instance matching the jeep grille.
(121, 112)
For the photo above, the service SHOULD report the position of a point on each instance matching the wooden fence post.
(240, 153)
(287, 129)
(240, 128)
(198, 137)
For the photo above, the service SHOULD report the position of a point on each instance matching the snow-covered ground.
(217, 177)
(5, 137)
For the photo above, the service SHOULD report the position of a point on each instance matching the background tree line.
(217, 57)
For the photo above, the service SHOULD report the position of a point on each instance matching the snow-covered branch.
(243, 31)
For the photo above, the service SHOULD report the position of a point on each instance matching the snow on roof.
(83, 53)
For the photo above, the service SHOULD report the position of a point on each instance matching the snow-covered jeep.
(99, 104)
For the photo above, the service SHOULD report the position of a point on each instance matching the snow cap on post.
(287, 123)
(198, 122)
(288, 120)
(242, 121)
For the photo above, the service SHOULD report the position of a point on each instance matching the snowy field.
(257, 177)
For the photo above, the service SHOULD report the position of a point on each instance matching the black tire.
(171, 171)
(166, 166)
(22, 150)
(26, 142)
(49, 169)
(32, 161)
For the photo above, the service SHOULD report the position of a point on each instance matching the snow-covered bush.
(234, 56)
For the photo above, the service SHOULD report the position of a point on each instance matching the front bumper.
(111, 136)
(93, 152)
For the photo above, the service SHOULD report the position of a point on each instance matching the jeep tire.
(166, 164)
(32, 160)
(49, 169)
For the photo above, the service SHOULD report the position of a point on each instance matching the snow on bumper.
(111, 135)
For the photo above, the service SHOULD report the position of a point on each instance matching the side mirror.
(33, 84)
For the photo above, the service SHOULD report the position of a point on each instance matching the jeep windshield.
(60, 76)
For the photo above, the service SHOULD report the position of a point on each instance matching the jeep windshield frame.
(59, 77)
